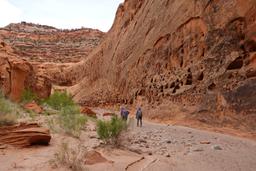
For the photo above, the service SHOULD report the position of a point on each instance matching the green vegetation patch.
(58, 100)
(109, 131)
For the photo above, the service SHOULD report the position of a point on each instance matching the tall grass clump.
(8, 112)
(71, 158)
(109, 131)
(71, 121)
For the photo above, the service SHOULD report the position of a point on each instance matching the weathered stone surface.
(39, 43)
(35, 56)
(24, 135)
(180, 59)
(16, 75)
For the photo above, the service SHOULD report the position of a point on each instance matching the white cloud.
(60, 13)
(9, 13)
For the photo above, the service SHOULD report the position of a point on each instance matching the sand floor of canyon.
(155, 147)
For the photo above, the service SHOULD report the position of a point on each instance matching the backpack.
(126, 113)
(139, 114)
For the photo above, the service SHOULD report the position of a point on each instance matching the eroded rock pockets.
(188, 54)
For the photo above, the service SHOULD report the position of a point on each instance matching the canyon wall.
(40, 43)
(179, 59)
(35, 57)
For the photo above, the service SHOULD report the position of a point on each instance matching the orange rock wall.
(179, 59)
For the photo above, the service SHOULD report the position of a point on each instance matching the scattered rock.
(168, 155)
(142, 141)
(33, 106)
(136, 142)
(94, 157)
(87, 111)
(109, 114)
(92, 137)
(198, 150)
(24, 135)
(188, 145)
(205, 142)
(168, 142)
(150, 153)
(217, 147)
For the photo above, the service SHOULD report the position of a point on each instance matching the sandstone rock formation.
(24, 135)
(185, 60)
(35, 56)
(16, 75)
(39, 43)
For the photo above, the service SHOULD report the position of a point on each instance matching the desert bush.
(109, 131)
(28, 96)
(7, 119)
(8, 112)
(58, 100)
(71, 158)
(71, 121)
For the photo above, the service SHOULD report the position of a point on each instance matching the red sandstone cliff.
(34, 56)
(181, 59)
(39, 43)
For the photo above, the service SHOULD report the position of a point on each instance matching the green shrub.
(68, 113)
(28, 96)
(5, 106)
(71, 120)
(58, 100)
(109, 131)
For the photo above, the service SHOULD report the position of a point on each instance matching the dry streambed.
(152, 147)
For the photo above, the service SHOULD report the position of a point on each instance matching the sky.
(63, 14)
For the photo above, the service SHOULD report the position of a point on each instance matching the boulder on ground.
(87, 111)
(24, 135)
(33, 106)
(94, 157)
(109, 114)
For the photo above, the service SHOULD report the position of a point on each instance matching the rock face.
(39, 43)
(24, 135)
(180, 59)
(16, 75)
(35, 56)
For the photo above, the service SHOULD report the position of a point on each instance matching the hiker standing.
(122, 112)
(126, 113)
(139, 117)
